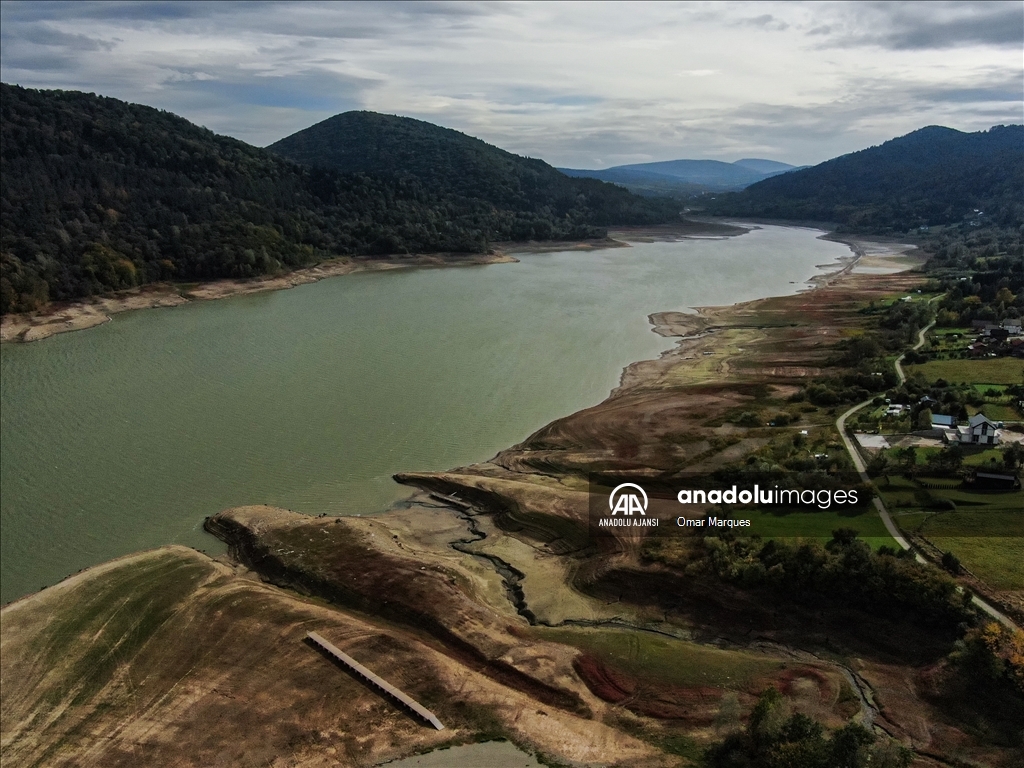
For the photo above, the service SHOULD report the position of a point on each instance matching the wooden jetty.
(452, 500)
(377, 682)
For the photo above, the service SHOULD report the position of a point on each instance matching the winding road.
(920, 343)
(858, 462)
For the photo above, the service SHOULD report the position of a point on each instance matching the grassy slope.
(132, 666)
(668, 660)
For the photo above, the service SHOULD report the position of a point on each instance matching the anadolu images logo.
(619, 500)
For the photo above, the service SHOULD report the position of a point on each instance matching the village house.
(998, 333)
(980, 430)
(1002, 330)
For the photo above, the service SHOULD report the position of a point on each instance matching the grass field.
(986, 531)
(1000, 412)
(981, 389)
(921, 454)
(902, 494)
(999, 562)
(999, 370)
(819, 525)
(975, 457)
(989, 544)
(666, 659)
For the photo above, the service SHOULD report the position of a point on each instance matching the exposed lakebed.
(126, 436)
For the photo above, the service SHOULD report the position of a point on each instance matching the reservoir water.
(124, 437)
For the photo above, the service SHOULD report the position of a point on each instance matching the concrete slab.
(871, 442)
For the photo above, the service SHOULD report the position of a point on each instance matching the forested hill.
(97, 194)
(467, 169)
(931, 176)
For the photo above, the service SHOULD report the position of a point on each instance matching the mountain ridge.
(931, 176)
(464, 167)
(97, 194)
(685, 177)
(766, 166)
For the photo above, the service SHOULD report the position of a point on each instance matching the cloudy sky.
(577, 84)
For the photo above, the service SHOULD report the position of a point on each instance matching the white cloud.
(577, 84)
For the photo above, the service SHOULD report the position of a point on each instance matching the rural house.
(980, 430)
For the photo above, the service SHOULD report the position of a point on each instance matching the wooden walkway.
(454, 501)
(377, 682)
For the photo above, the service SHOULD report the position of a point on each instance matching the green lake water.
(125, 436)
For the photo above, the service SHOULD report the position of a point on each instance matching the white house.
(980, 430)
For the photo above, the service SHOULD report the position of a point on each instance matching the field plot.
(984, 530)
(819, 525)
(999, 370)
(1000, 412)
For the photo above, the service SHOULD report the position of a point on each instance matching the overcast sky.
(580, 85)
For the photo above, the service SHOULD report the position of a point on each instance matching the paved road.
(858, 462)
(920, 343)
(890, 526)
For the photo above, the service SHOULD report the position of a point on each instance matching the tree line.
(97, 194)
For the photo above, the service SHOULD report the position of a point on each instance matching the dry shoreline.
(78, 315)
(61, 317)
(689, 328)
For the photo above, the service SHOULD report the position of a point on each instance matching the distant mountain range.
(686, 177)
(932, 176)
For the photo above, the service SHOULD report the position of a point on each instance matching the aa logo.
(628, 498)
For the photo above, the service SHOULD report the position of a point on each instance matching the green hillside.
(929, 177)
(539, 197)
(97, 194)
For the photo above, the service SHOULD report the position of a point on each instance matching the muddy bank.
(692, 329)
(686, 228)
(61, 317)
(339, 560)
